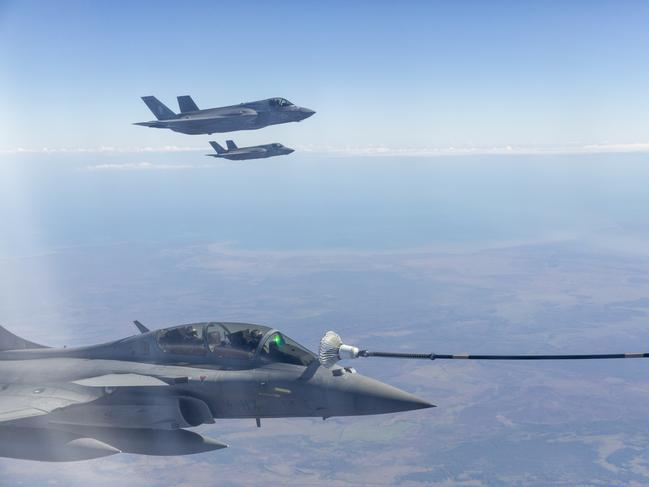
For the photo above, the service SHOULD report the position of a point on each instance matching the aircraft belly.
(163, 416)
(75, 443)
(213, 126)
(241, 157)
(51, 445)
(153, 412)
(153, 442)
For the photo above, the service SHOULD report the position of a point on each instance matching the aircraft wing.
(206, 119)
(19, 401)
(123, 380)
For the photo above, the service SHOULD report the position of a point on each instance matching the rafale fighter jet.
(235, 153)
(138, 394)
(245, 116)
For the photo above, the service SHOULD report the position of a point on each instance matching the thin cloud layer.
(139, 166)
(450, 151)
(98, 150)
(373, 150)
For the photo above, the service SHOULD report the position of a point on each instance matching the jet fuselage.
(134, 394)
(245, 116)
(252, 152)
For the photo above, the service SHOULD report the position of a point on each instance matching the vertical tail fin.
(231, 145)
(186, 104)
(141, 327)
(217, 147)
(9, 341)
(159, 109)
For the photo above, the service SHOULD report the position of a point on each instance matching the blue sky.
(421, 75)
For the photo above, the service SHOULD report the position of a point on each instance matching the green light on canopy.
(279, 340)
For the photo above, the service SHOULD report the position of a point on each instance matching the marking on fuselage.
(267, 394)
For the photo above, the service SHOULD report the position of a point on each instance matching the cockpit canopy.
(232, 343)
(279, 102)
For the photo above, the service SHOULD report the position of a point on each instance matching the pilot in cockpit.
(214, 340)
(251, 339)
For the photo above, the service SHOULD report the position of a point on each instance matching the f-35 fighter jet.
(245, 116)
(138, 394)
(235, 153)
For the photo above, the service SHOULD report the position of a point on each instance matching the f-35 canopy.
(279, 102)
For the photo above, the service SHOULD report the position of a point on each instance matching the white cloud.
(371, 150)
(99, 150)
(140, 166)
(633, 147)
(450, 151)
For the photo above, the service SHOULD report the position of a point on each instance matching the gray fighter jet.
(245, 116)
(235, 153)
(138, 394)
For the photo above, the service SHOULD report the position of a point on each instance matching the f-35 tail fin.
(159, 109)
(9, 341)
(231, 145)
(186, 104)
(217, 147)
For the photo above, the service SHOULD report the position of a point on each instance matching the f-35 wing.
(224, 114)
(20, 401)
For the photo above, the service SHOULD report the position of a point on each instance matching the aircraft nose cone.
(306, 113)
(370, 396)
